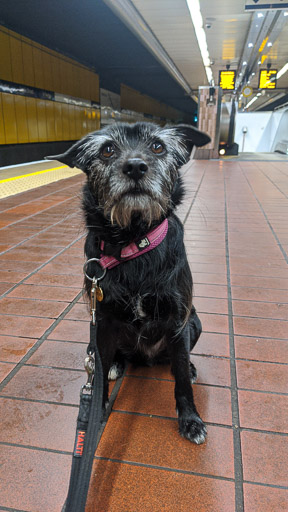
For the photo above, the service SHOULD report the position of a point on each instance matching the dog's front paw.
(116, 371)
(193, 429)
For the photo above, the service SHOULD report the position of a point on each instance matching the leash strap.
(88, 425)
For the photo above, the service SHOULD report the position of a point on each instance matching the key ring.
(85, 268)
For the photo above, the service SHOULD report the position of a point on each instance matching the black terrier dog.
(146, 316)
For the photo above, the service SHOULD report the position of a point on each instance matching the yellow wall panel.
(65, 122)
(16, 60)
(25, 119)
(73, 80)
(84, 121)
(41, 117)
(32, 119)
(77, 81)
(88, 120)
(64, 78)
(47, 71)
(79, 123)
(50, 120)
(28, 64)
(2, 131)
(56, 69)
(69, 73)
(5, 57)
(9, 118)
(21, 118)
(38, 68)
(58, 121)
(72, 122)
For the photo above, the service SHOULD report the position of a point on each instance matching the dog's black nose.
(135, 168)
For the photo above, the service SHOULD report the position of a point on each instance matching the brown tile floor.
(236, 229)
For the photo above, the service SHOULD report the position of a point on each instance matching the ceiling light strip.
(126, 11)
(197, 20)
(282, 71)
(251, 102)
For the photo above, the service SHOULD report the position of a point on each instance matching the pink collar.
(135, 249)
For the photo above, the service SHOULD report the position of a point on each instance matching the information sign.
(267, 78)
(227, 79)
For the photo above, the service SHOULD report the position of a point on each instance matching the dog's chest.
(139, 308)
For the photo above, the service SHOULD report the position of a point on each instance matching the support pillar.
(209, 109)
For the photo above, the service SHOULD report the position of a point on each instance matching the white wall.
(265, 129)
(282, 128)
(258, 137)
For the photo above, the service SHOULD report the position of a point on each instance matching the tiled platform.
(236, 222)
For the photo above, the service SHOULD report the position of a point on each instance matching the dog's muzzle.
(135, 168)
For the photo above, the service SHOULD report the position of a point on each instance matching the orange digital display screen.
(267, 78)
(227, 79)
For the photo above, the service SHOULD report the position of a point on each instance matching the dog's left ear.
(191, 136)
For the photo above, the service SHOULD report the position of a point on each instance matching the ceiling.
(229, 30)
(90, 32)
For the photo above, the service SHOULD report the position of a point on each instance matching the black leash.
(89, 417)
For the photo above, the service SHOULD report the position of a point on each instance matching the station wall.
(26, 116)
(48, 100)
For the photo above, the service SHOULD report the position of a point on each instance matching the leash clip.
(93, 300)
(89, 365)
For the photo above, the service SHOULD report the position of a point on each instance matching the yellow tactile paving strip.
(17, 184)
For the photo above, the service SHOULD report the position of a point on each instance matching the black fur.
(147, 315)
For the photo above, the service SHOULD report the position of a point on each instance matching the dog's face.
(133, 169)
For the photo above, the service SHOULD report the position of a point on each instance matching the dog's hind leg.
(195, 331)
(190, 424)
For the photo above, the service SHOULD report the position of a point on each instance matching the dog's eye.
(157, 148)
(108, 151)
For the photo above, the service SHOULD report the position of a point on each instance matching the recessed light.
(269, 44)
(244, 63)
(250, 45)
(260, 15)
(259, 62)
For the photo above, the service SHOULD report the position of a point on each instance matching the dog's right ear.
(72, 156)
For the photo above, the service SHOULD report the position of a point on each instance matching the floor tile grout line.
(8, 509)
(40, 197)
(132, 413)
(24, 219)
(262, 484)
(36, 448)
(97, 457)
(164, 468)
(37, 234)
(38, 401)
(266, 218)
(41, 266)
(238, 464)
(194, 198)
(38, 343)
(208, 356)
(274, 184)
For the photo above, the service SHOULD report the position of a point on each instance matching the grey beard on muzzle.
(148, 208)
